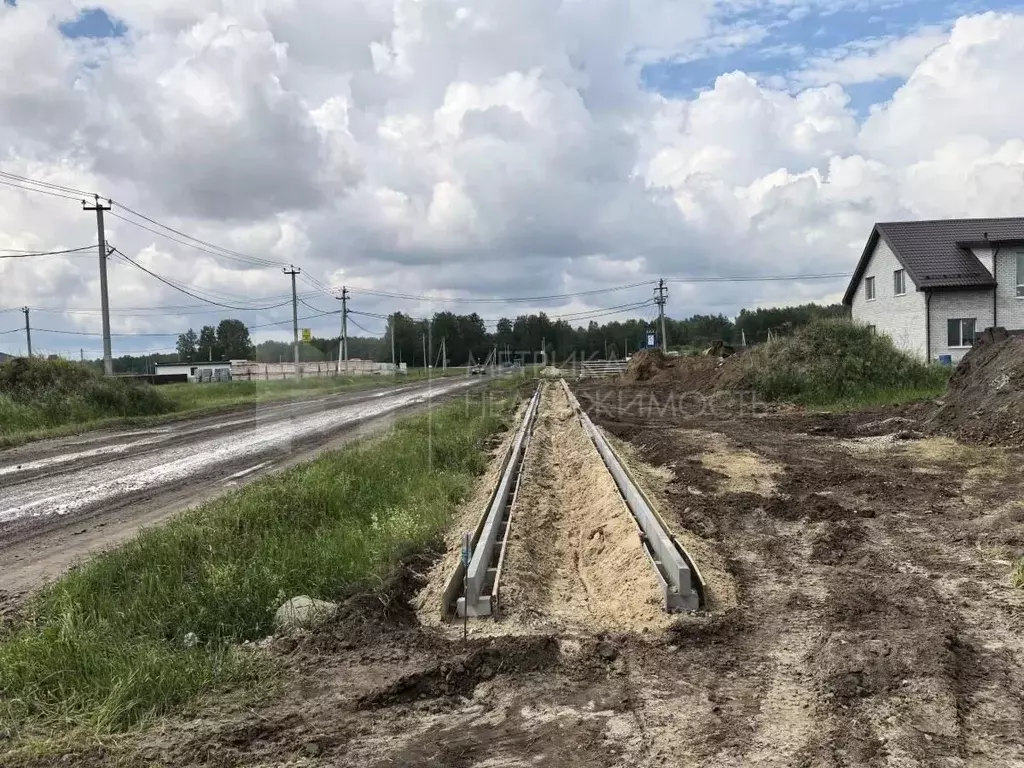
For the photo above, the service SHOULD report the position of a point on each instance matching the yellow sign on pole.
(307, 334)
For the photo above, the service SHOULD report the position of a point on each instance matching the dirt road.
(860, 614)
(63, 499)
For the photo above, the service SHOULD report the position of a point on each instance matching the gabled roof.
(936, 254)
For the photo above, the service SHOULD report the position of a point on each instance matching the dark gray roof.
(936, 254)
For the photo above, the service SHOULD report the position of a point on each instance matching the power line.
(168, 282)
(286, 322)
(498, 299)
(317, 309)
(191, 245)
(755, 278)
(40, 191)
(88, 333)
(220, 250)
(364, 330)
(13, 330)
(14, 253)
(48, 184)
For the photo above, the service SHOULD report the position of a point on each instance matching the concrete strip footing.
(481, 575)
(666, 557)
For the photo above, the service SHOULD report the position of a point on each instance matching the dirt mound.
(985, 401)
(701, 373)
(645, 364)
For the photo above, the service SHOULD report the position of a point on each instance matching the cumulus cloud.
(492, 148)
(864, 61)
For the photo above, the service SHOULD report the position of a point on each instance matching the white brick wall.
(958, 304)
(1010, 312)
(899, 317)
(985, 257)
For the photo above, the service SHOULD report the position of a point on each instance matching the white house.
(932, 286)
(197, 372)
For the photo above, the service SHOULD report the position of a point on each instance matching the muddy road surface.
(63, 499)
(859, 613)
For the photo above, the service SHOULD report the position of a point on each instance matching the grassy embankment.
(44, 398)
(103, 649)
(836, 364)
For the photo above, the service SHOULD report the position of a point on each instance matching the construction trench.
(568, 536)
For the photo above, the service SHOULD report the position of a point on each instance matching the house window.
(899, 282)
(1020, 274)
(960, 331)
(869, 288)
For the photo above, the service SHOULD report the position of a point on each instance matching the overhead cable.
(218, 249)
(168, 282)
(47, 184)
(18, 254)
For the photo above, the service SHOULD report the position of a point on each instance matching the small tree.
(233, 340)
(207, 348)
(188, 346)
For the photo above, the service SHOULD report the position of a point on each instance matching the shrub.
(48, 393)
(832, 360)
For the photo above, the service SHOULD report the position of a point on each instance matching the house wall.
(901, 318)
(1011, 309)
(174, 370)
(985, 257)
(958, 304)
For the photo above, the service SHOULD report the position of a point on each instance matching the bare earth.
(861, 614)
(61, 500)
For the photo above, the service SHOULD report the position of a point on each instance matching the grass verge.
(1017, 574)
(103, 649)
(36, 413)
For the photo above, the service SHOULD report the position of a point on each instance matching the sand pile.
(985, 401)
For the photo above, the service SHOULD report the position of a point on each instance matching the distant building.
(5, 358)
(166, 373)
(933, 286)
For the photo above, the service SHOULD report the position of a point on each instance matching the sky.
(459, 154)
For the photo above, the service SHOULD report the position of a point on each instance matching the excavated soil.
(985, 401)
(574, 560)
(865, 617)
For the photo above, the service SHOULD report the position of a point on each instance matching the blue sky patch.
(796, 35)
(94, 23)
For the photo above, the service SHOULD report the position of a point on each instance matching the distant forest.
(467, 339)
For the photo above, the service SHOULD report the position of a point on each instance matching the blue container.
(945, 359)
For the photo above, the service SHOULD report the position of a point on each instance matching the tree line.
(466, 338)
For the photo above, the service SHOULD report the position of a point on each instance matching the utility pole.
(28, 332)
(108, 360)
(544, 351)
(661, 296)
(425, 364)
(343, 341)
(392, 323)
(295, 312)
(444, 353)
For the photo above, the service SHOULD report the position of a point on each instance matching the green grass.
(881, 397)
(102, 649)
(41, 394)
(73, 400)
(837, 363)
